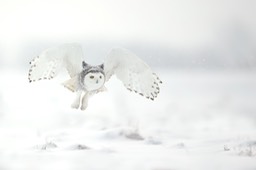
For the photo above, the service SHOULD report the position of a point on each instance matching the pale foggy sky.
(173, 23)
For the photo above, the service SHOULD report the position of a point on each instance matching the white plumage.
(86, 80)
(49, 63)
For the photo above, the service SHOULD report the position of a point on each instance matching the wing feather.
(49, 63)
(135, 74)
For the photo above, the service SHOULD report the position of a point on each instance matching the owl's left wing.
(49, 63)
(135, 74)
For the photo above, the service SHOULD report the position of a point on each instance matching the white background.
(204, 117)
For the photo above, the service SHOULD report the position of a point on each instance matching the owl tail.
(72, 84)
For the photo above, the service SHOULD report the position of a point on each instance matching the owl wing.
(135, 74)
(49, 63)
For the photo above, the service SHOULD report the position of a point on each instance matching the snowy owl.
(87, 80)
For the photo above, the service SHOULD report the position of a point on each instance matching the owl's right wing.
(49, 63)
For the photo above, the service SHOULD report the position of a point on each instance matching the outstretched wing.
(48, 64)
(135, 74)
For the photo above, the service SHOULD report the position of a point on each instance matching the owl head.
(92, 77)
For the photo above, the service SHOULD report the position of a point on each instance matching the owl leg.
(76, 102)
(85, 101)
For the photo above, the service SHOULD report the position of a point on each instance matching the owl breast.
(93, 81)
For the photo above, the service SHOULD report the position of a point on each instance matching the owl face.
(92, 77)
(93, 80)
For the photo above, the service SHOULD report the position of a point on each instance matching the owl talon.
(75, 105)
(84, 102)
(83, 107)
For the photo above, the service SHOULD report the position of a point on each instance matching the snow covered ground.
(201, 120)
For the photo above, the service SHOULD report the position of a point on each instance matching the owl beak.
(97, 81)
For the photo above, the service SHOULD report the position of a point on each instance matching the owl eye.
(91, 77)
(100, 77)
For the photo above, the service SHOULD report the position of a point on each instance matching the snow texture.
(201, 120)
